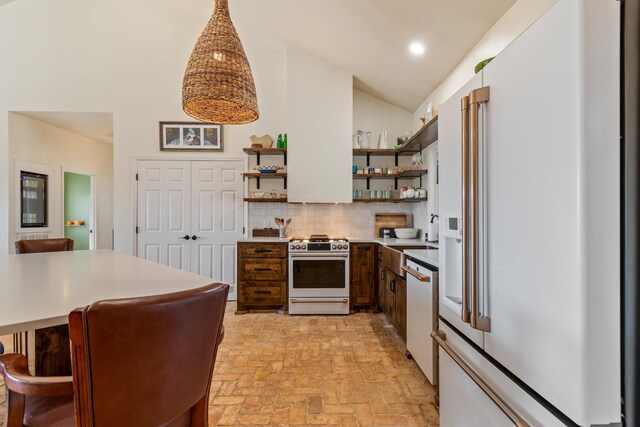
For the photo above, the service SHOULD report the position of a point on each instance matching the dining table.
(39, 290)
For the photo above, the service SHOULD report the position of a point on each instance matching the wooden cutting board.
(396, 220)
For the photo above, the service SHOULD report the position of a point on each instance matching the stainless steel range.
(318, 275)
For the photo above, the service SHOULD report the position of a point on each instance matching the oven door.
(318, 275)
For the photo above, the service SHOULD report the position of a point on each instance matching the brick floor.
(315, 370)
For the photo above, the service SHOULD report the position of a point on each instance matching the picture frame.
(190, 136)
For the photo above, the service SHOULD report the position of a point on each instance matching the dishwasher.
(422, 316)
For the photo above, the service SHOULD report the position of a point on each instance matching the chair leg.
(14, 415)
(200, 413)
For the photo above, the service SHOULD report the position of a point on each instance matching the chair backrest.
(43, 245)
(146, 361)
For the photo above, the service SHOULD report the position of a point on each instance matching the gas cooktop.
(318, 243)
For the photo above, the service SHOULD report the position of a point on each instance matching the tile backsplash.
(355, 221)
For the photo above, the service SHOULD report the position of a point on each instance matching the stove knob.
(292, 247)
(297, 247)
(342, 247)
(303, 247)
(334, 247)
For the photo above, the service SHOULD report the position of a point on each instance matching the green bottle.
(284, 142)
(279, 144)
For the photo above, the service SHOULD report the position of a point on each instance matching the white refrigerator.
(529, 205)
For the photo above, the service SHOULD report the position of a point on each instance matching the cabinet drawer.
(263, 269)
(268, 294)
(262, 250)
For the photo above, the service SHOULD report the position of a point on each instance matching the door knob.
(194, 237)
(185, 237)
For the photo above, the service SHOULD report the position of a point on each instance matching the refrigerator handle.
(464, 107)
(476, 97)
(441, 339)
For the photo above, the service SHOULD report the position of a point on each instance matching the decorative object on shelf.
(354, 169)
(365, 139)
(218, 85)
(383, 144)
(265, 141)
(482, 64)
(356, 140)
(190, 136)
(285, 141)
(268, 169)
(429, 113)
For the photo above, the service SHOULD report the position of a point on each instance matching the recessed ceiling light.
(416, 48)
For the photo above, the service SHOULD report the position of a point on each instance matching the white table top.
(40, 290)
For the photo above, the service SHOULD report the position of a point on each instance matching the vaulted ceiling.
(370, 38)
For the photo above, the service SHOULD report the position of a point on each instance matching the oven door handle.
(320, 301)
(307, 255)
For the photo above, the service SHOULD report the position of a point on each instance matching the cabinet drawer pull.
(262, 251)
(263, 269)
(262, 292)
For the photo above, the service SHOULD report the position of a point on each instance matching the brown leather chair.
(136, 362)
(52, 344)
(43, 245)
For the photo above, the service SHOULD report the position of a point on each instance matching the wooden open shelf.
(426, 136)
(265, 175)
(265, 200)
(411, 200)
(264, 150)
(403, 174)
(381, 152)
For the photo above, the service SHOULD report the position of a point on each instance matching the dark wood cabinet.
(262, 276)
(363, 276)
(392, 288)
(400, 306)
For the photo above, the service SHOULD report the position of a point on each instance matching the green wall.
(77, 198)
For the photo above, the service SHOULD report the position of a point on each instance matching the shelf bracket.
(258, 182)
(395, 181)
(368, 164)
(285, 158)
(258, 159)
(368, 183)
(285, 182)
(396, 159)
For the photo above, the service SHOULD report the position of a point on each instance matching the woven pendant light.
(218, 86)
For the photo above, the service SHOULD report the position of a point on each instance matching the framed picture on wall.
(190, 136)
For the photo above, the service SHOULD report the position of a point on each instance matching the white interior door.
(164, 194)
(216, 218)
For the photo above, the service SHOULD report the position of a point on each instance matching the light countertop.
(380, 241)
(429, 256)
(264, 240)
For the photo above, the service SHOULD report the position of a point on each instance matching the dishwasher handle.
(421, 277)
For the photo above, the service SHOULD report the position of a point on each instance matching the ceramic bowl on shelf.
(268, 169)
(406, 233)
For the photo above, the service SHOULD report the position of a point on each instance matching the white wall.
(375, 115)
(513, 23)
(121, 56)
(36, 142)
